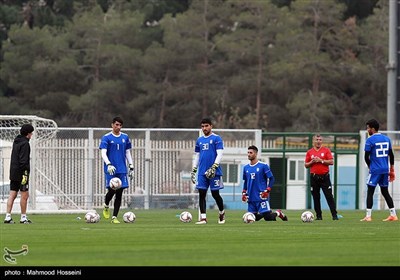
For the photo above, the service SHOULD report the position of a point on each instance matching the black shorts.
(16, 186)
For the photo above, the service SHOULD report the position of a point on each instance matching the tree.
(316, 51)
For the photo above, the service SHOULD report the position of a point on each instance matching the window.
(230, 172)
(296, 170)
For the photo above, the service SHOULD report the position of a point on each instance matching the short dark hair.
(206, 120)
(118, 119)
(252, 147)
(26, 129)
(372, 123)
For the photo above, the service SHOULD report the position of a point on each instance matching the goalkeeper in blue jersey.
(206, 172)
(378, 154)
(258, 181)
(115, 149)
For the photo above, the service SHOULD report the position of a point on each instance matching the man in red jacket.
(318, 159)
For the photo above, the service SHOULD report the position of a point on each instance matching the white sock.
(369, 212)
(23, 217)
(8, 216)
(392, 212)
(203, 216)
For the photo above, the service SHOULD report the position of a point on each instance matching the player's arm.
(245, 195)
(130, 162)
(219, 156)
(392, 175)
(366, 158)
(265, 194)
(105, 157)
(271, 182)
(24, 157)
(110, 168)
(195, 163)
(129, 157)
(391, 157)
(210, 173)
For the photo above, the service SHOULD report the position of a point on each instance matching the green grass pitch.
(158, 238)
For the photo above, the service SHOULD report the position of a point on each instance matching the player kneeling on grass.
(258, 181)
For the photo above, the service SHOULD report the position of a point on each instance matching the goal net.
(10, 125)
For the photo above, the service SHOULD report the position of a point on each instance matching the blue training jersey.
(116, 147)
(207, 146)
(256, 178)
(378, 145)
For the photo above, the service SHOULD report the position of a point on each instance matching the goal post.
(10, 125)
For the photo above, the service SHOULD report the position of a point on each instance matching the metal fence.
(69, 168)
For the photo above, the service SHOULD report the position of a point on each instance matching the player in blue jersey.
(378, 154)
(206, 172)
(115, 149)
(258, 181)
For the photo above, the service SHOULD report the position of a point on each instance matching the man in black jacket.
(19, 173)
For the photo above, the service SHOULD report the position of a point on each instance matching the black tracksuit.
(20, 158)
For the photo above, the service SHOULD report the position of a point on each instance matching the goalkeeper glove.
(265, 194)
(245, 197)
(131, 171)
(25, 178)
(392, 175)
(210, 173)
(193, 175)
(111, 169)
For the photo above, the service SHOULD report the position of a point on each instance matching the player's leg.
(117, 205)
(216, 185)
(370, 203)
(389, 201)
(269, 215)
(220, 203)
(23, 204)
(106, 210)
(202, 206)
(10, 202)
(372, 182)
(281, 215)
(109, 195)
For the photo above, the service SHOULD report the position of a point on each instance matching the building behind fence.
(67, 169)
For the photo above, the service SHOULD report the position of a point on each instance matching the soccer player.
(258, 181)
(19, 173)
(115, 149)
(377, 154)
(318, 159)
(208, 154)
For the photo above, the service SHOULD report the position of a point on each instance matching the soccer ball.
(115, 183)
(307, 217)
(185, 217)
(129, 217)
(249, 218)
(92, 217)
